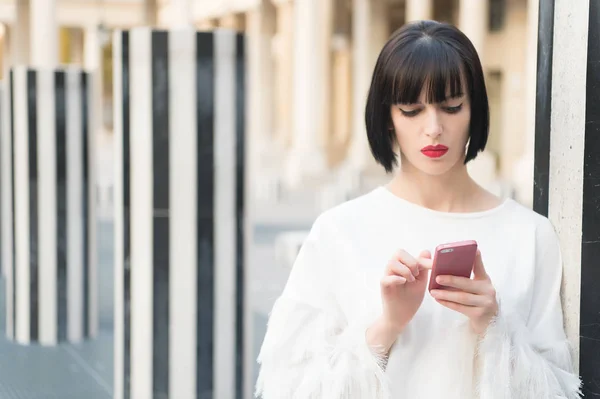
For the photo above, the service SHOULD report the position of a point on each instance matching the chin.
(436, 167)
(436, 170)
(432, 166)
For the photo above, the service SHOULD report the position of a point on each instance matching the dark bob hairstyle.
(431, 56)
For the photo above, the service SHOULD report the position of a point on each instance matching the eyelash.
(450, 110)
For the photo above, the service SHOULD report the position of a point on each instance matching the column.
(77, 46)
(43, 33)
(20, 44)
(5, 38)
(50, 280)
(260, 30)
(92, 62)
(338, 136)
(473, 21)
(93, 65)
(181, 13)
(206, 24)
(179, 251)
(232, 21)
(523, 170)
(5, 173)
(567, 168)
(370, 32)
(283, 45)
(306, 158)
(150, 12)
(417, 10)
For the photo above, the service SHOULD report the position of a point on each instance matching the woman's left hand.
(475, 298)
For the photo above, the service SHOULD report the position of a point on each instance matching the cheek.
(462, 127)
(403, 136)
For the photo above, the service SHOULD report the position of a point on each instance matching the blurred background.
(309, 64)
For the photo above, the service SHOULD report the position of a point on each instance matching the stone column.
(232, 21)
(419, 10)
(260, 30)
(20, 39)
(181, 13)
(523, 169)
(5, 51)
(473, 21)
(180, 233)
(5, 173)
(43, 33)
(370, 31)
(150, 12)
(206, 24)
(283, 45)
(312, 33)
(51, 278)
(93, 63)
(567, 166)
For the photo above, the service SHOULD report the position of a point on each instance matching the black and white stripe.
(567, 165)
(179, 189)
(49, 225)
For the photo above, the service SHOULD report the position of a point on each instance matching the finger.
(425, 262)
(479, 272)
(389, 282)
(463, 283)
(397, 268)
(460, 297)
(408, 260)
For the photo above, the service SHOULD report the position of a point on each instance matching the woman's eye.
(453, 110)
(414, 112)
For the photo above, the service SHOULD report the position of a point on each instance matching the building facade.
(309, 68)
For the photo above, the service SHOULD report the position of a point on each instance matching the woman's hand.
(475, 298)
(402, 291)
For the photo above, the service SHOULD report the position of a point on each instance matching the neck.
(453, 191)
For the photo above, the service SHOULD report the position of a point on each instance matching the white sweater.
(315, 346)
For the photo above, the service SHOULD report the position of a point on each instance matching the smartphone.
(455, 259)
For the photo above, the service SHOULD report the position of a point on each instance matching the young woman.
(356, 319)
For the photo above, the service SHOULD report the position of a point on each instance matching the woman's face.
(432, 137)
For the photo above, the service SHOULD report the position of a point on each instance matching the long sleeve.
(531, 358)
(311, 350)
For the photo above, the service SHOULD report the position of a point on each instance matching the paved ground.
(85, 371)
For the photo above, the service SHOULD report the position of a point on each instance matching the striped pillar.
(179, 222)
(48, 208)
(567, 164)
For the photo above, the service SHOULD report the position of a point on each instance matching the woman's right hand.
(402, 291)
(403, 287)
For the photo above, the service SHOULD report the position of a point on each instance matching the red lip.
(434, 151)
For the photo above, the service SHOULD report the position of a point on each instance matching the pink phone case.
(454, 259)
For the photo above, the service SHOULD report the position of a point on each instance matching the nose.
(434, 124)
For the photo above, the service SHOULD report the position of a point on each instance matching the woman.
(356, 319)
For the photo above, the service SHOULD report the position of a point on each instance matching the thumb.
(479, 272)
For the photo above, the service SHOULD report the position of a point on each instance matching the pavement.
(85, 371)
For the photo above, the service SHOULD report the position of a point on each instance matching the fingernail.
(439, 280)
(434, 293)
